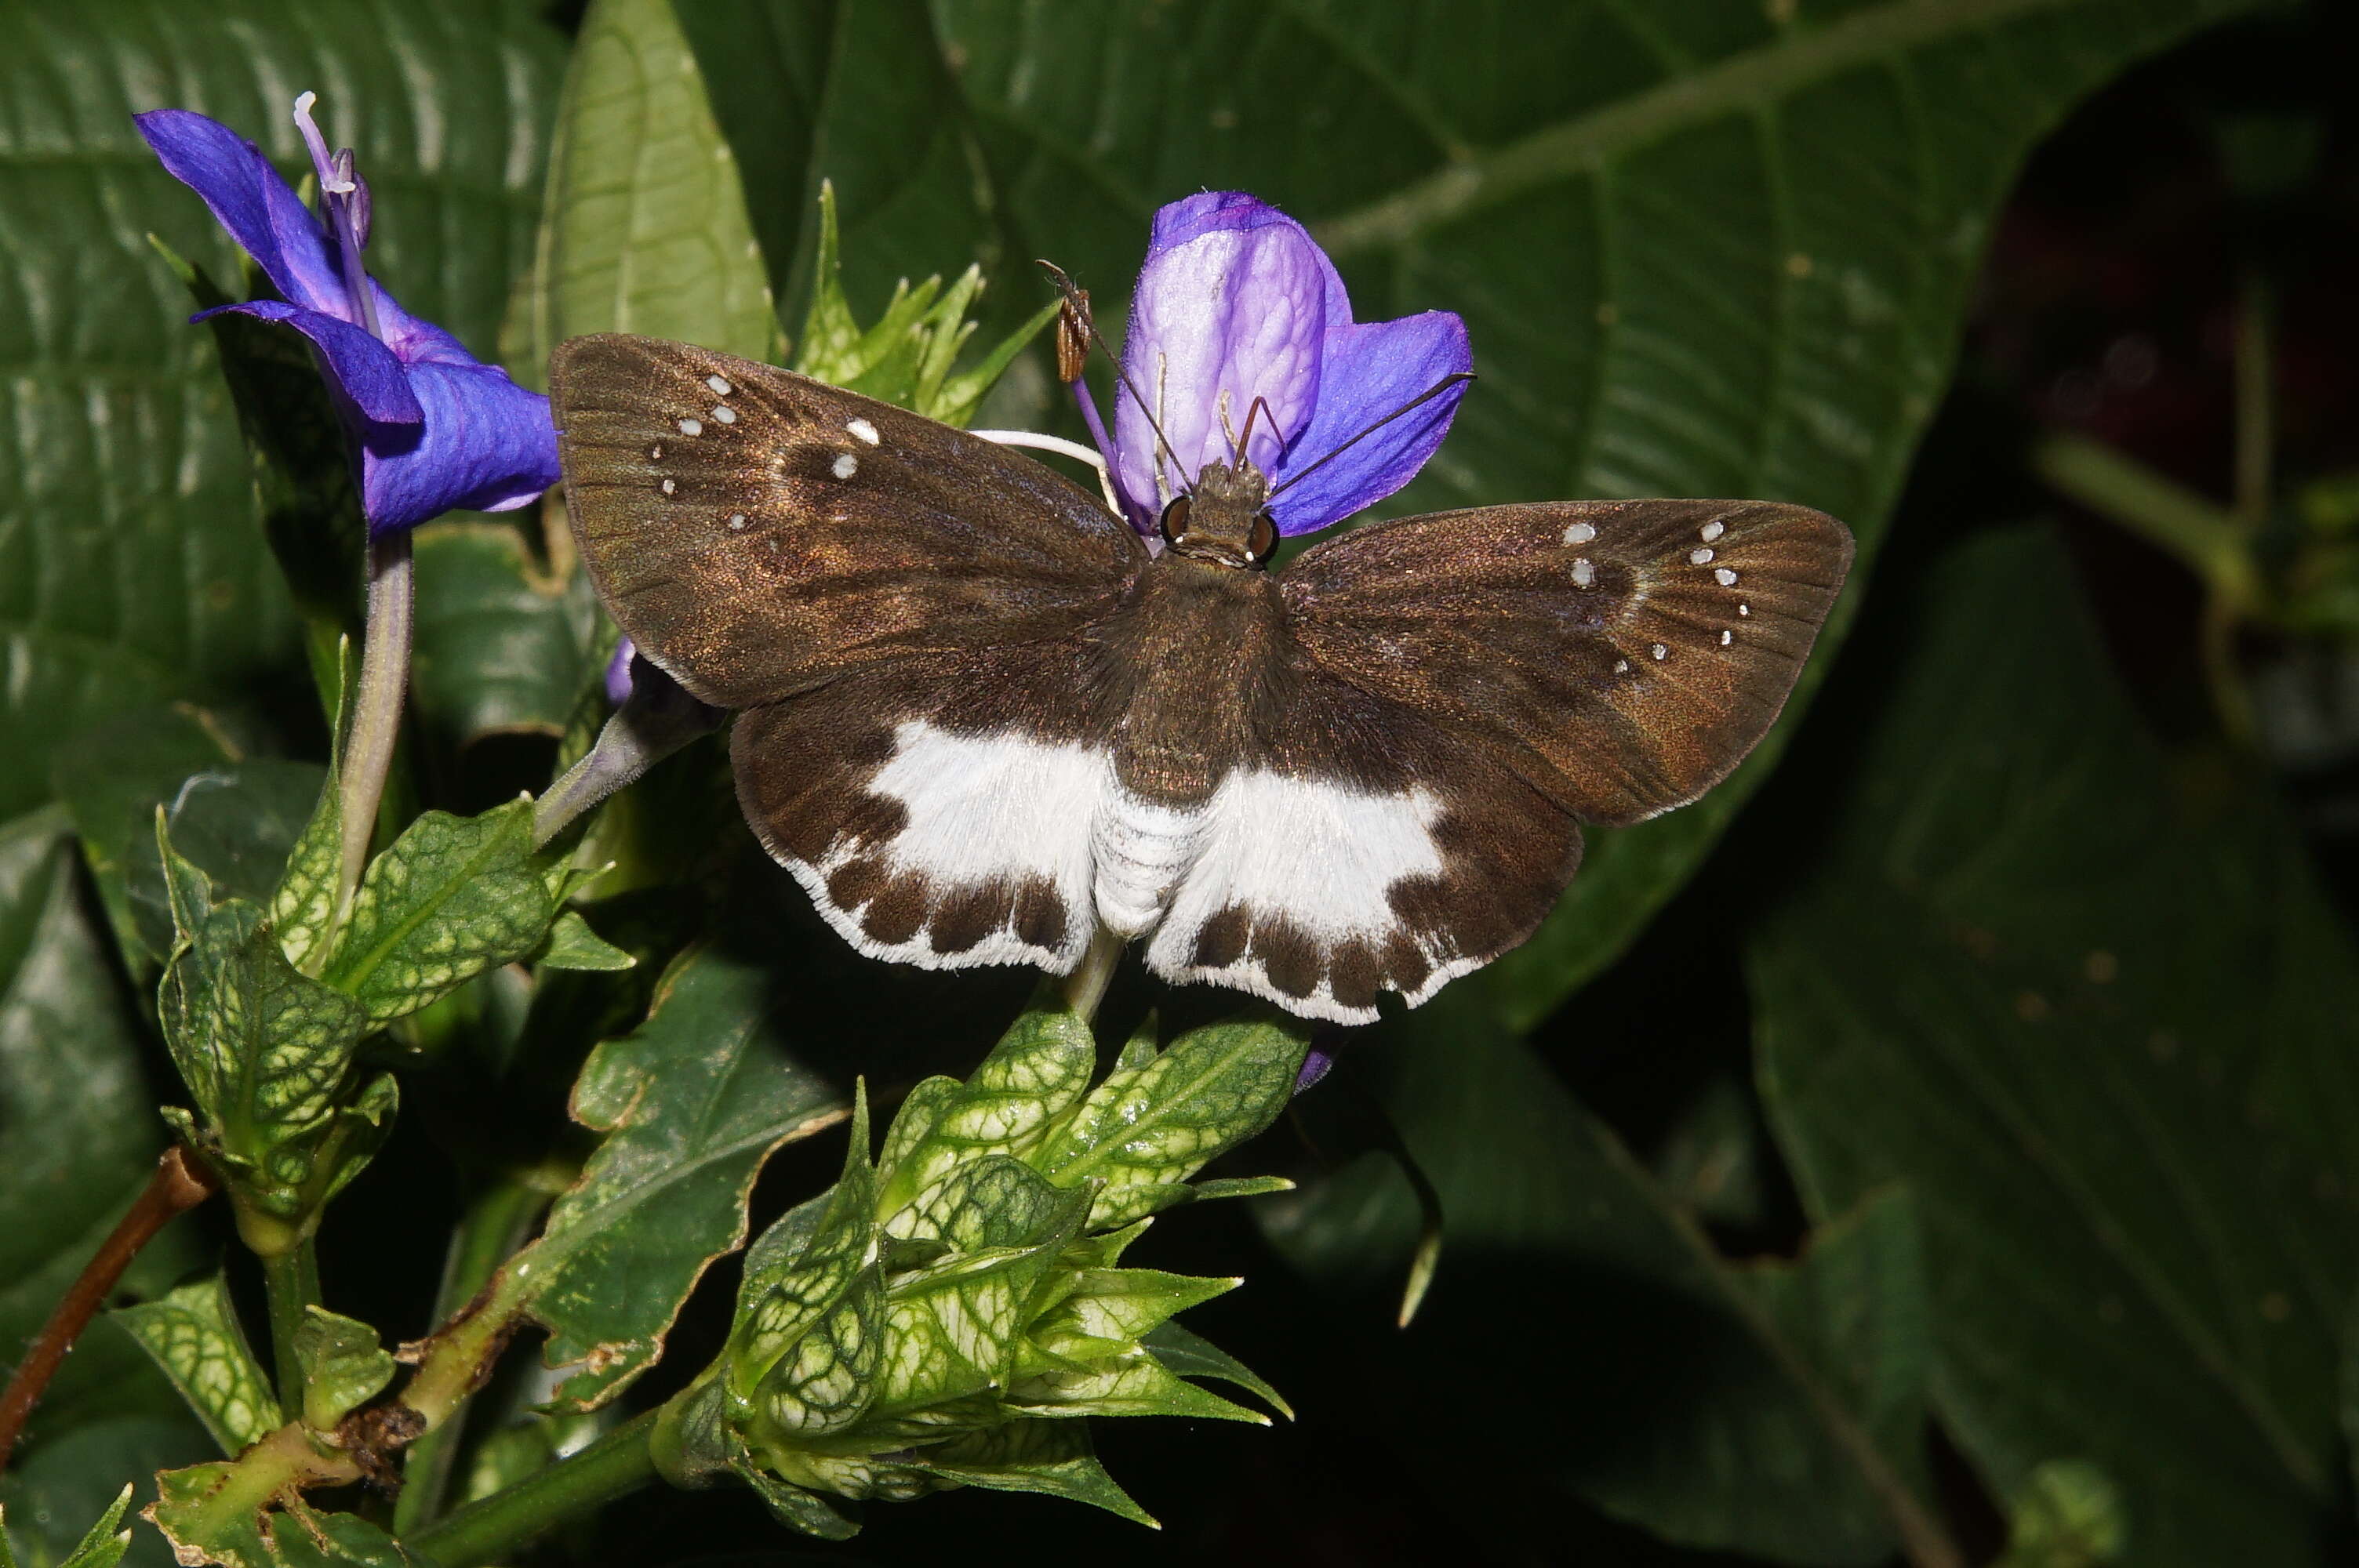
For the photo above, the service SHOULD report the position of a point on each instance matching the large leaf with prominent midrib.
(2100, 1023)
(1703, 248)
(132, 564)
(1581, 1335)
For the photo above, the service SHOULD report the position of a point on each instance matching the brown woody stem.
(179, 1184)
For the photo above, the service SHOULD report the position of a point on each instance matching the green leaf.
(921, 1109)
(1132, 1383)
(233, 816)
(1854, 1308)
(854, 94)
(101, 1547)
(644, 229)
(1039, 1069)
(797, 1509)
(344, 1366)
(1143, 1130)
(810, 1342)
(134, 571)
(501, 646)
(1110, 1308)
(1683, 1406)
(264, 1049)
(105, 1542)
(113, 778)
(454, 896)
(989, 1201)
(300, 1538)
(1052, 1457)
(572, 945)
(1191, 1355)
(303, 903)
(690, 1104)
(906, 356)
(55, 1485)
(193, 1334)
(2100, 1027)
(951, 1328)
(77, 1141)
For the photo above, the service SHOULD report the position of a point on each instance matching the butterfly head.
(1224, 519)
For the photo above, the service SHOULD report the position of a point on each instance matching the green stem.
(291, 1280)
(2208, 538)
(376, 712)
(487, 1531)
(1086, 986)
(493, 1227)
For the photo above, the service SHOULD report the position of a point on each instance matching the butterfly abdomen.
(1141, 850)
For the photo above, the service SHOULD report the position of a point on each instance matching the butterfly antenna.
(1077, 313)
(1237, 448)
(1419, 401)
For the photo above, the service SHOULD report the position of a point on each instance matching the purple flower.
(1237, 305)
(435, 428)
(619, 673)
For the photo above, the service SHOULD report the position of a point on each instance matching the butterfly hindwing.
(1622, 656)
(1358, 849)
(755, 531)
(938, 808)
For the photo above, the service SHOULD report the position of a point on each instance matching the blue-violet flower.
(435, 428)
(1236, 303)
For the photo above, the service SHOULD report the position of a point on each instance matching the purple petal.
(618, 672)
(252, 202)
(1368, 371)
(369, 374)
(485, 444)
(1215, 211)
(1231, 306)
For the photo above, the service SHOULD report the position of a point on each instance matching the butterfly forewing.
(1623, 657)
(755, 532)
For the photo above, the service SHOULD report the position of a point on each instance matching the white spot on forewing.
(1744, 610)
(1580, 534)
(862, 429)
(726, 415)
(981, 809)
(691, 427)
(1316, 851)
(1723, 576)
(1621, 666)
(846, 465)
(736, 522)
(1659, 652)
(1583, 573)
(1701, 557)
(1726, 638)
(671, 487)
(720, 386)
(1712, 530)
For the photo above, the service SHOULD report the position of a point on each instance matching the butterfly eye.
(1175, 521)
(1265, 538)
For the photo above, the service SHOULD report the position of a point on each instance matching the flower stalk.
(377, 713)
